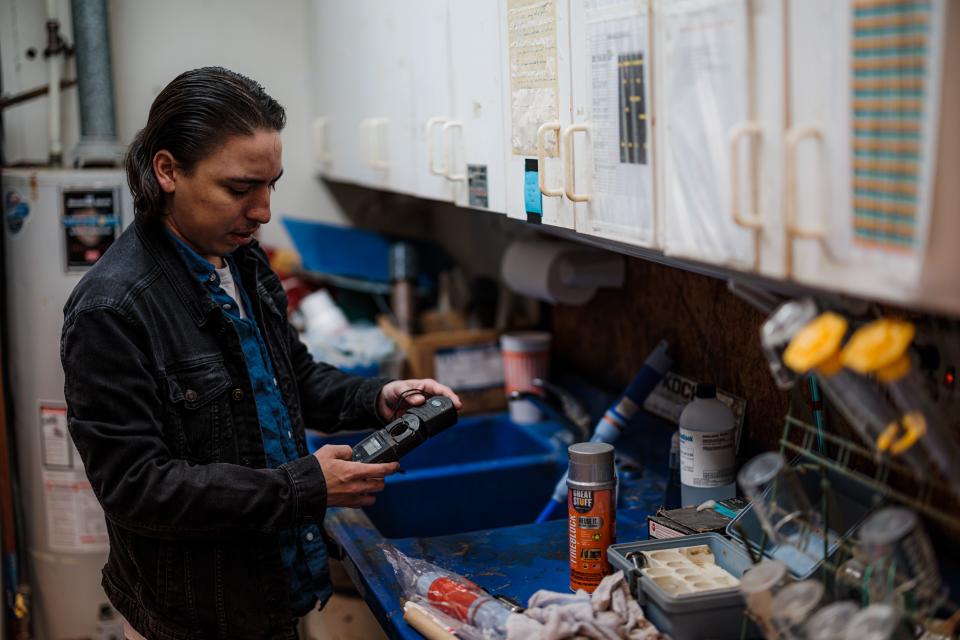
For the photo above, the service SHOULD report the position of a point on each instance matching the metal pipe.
(24, 96)
(98, 131)
(54, 63)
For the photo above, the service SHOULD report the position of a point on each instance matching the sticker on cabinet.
(532, 199)
(633, 117)
(534, 89)
(890, 104)
(477, 186)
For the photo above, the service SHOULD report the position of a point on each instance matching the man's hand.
(390, 394)
(351, 484)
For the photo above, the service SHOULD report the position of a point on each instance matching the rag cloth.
(609, 614)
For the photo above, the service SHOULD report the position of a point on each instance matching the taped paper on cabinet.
(534, 87)
(622, 205)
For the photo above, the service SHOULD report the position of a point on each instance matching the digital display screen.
(371, 446)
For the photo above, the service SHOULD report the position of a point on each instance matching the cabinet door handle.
(568, 166)
(754, 221)
(377, 127)
(542, 158)
(431, 123)
(794, 231)
(448, 158)
(320, 151)
(365, 141)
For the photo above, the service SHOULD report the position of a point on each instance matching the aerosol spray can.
(591, 512)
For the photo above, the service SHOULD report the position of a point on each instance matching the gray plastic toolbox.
(711, 615)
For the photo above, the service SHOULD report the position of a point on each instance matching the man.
(188, 391)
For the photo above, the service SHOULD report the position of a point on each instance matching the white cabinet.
(795, 139)
(862, 142)
(472, 143)
(608, 152)
(721, 112)
(363, 129)
(337, 109)
(537, 108)
(429, 44)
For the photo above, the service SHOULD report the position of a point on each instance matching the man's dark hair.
(193, 115)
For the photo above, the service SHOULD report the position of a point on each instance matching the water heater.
(57, 224)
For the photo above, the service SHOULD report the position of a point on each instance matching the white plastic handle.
(448, 158)
(431, 123)
(793, 138)
(568, 166)
(364, 130)
(320, 151)
(754, 221)
(542, 158)
(378, 127)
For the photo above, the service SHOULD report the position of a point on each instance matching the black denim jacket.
(162, 413)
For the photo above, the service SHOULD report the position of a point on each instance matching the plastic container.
(877, 622)
(895, 545)
(708, 449)
(716, 614)
(779, 499)
(832, 621)
(845, 512)
(526, 355)
(794, 606)
(759, 586)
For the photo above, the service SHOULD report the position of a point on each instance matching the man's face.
(224, 200)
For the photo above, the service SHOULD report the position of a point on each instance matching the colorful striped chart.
(890, 61)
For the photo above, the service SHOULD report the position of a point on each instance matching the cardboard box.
(466, 360)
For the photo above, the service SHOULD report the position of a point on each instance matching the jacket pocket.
(198, 395)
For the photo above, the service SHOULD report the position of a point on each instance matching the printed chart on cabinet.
(622, 193)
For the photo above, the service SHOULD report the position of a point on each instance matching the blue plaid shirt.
(302, 549)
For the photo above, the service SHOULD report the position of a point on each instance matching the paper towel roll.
(556, 271)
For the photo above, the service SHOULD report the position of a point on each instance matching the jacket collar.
(195, 298)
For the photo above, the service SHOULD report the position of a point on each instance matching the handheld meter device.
(407, 432)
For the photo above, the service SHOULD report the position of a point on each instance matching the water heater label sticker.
(91, 223)
(75, 521)
(56, 439)
(15, 210)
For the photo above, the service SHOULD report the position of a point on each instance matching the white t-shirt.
(228, 284)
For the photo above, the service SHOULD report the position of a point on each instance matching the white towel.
(609, 614)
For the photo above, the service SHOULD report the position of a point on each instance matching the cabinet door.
(432, 102)
(721, 129)
(536, 98)
(611, 146)
(472, 142)
(337, 98)
(864, 95)
(382, 43)
(392, 135)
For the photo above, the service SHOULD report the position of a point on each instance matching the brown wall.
(713, 335)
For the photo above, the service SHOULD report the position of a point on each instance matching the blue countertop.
(511, 561)
(465, 503)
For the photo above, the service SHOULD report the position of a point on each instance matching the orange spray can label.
(592, 527)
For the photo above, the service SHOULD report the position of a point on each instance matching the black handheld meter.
(407, 432)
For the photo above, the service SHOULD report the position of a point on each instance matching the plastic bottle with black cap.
(708, 449)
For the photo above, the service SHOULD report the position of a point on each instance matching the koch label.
(675, 392)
